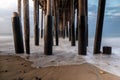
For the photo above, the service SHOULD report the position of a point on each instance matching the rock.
(20, 78)
(6, 70)
(102, 72)
(37, 78)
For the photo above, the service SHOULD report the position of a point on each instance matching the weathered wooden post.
(26, 25)
(17, 32)
(107, 50)
(56, 13)
(99, 26)
(19, 8)
(77, 26)
(81, 28)
(69, 14)
(48, 30)
(67, 33)
(36, 22)
(72, 23)
(63, 25)
(86, 21)
(42, 24)
(56, 28)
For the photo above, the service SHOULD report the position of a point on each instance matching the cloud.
(6, 10)
(113, 11)
(112, 8)
(5, 4)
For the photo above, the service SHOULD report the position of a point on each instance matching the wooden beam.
(26, 25)
(99, 26)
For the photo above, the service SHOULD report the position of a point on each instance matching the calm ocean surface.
(111, 28)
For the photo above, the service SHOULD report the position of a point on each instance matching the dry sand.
(16, 68)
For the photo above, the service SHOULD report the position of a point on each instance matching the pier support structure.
(36, 22)
(72, 23)
(81, 28)
(26, 25)
(56, 22)
(99, 27)
(17, 33)
(41, 23)
(48, 30)
(86, 21)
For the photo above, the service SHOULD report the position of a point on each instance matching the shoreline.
(15, 67)
(65, 54)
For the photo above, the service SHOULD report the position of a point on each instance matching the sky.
(111, 20)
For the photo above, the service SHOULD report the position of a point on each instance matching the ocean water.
(111, 27)
(65, 54)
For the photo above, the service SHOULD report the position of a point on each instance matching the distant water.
(111, 27)
(6, 37)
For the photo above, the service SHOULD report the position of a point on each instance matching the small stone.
(20, 78)
(102, 72)
(6, 70)
(6, 59)
(25, 65)
(37, 78)
(24, 71)
(22, 64)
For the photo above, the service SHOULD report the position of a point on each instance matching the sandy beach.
(64, 64)
(16, 68)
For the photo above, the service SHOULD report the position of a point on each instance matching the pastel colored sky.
(8, 7)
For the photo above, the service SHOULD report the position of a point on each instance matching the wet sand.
(17, 68)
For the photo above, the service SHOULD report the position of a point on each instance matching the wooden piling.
(48, 30)
(99, 26)
(19, 8)
(63, 25)
(69, 14)
(36, 22)
(26, 25)
(77, 26)
(72, 24)
(17, 32)
(56, 13)
(42, 24)
(107, 50)
(67, 33)
(81, 29)
(86, 21)
(56, 29)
